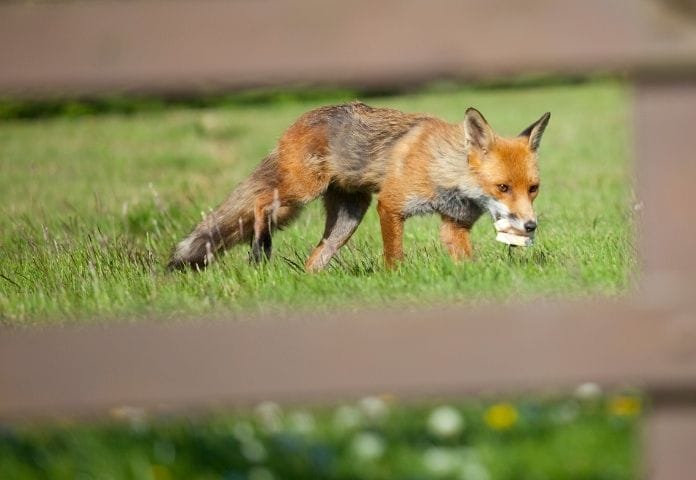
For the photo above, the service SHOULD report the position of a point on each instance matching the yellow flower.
(160, 472)
(501, 416)
(625, 406)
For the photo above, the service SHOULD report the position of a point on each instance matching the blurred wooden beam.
(189, 46)
(669, 440)
(448, 352)
(664, 118)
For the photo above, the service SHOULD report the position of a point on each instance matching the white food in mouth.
(512, 239)
(502, 224)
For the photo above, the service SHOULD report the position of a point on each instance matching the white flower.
(445, 421)
(253, 450)
(270, 416)
(347, 418)
(260, 473)
(301, 422)
(368, 446)
(441, 461)
(588, 391)
(374, 408)
(243, 431)
(474, 471)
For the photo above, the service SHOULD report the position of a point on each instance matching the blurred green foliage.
(578, 438)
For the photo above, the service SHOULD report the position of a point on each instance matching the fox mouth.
(507, 233)
(503, 225)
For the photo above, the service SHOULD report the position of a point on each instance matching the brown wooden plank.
(449, 352)
(670, 440)
(665, 115)
(194, 45)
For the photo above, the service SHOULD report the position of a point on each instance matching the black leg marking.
(261, 247)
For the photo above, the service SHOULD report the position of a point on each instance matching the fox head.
(506, 170)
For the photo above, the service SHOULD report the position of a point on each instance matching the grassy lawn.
(92, 205)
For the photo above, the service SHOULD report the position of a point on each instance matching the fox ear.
(535, 131)
(477, 130)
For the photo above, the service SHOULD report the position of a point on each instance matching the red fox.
(416, 164)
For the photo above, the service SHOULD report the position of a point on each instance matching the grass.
(546, 438)
(92, 204)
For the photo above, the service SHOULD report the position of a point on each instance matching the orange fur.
(455, 238)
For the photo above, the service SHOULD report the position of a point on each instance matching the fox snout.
(523, 225)
(517, 219)
(530, 226)
(518, 224)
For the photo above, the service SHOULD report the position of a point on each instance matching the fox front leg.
(392, 223)
(456, 239)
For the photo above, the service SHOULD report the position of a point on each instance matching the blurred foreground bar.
(670, 436)
(664, 120)
(191, 46)
(411, 355)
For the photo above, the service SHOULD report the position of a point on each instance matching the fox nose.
(530, 226)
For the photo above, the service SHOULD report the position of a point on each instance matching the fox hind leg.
(344, 212)
(269, 214)
(261, 241)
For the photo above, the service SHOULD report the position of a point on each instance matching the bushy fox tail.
(229, 224)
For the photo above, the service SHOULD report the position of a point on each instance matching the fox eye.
(503, 188)
(533, 188)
